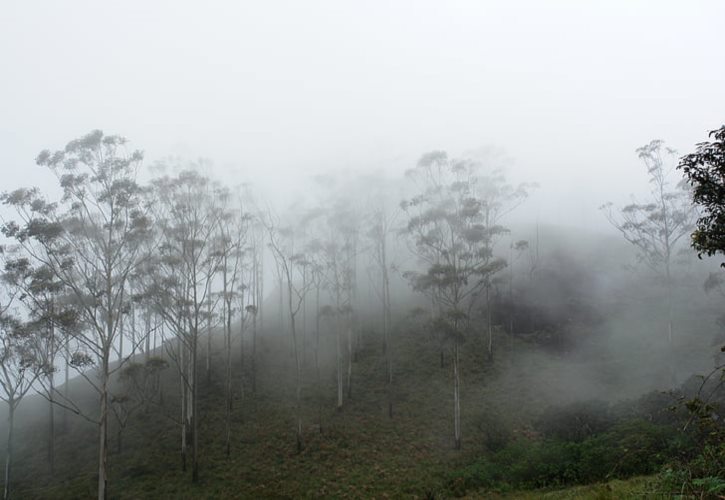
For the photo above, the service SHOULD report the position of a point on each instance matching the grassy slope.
(634, 488)
(360, 453)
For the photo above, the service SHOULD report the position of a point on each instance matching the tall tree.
(290, 264)
(498, 198)
(381, 227)
(180, 279)
(91, 240)
(231, 246)
(53, 317)
(446, 227)
(20, 366)
(656, 226)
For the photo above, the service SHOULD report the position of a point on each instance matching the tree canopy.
(705, 172)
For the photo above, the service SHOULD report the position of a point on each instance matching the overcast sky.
(270, 90)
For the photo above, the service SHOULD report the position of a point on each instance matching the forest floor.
(359, 452)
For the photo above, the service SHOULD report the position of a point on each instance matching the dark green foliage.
(575, 422)
(627, 449)
(705, 172)
(497, 430)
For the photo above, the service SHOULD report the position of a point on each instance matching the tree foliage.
(657, 225)
(705, 172)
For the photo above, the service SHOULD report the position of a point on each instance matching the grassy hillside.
(357, 453)
(526, 423)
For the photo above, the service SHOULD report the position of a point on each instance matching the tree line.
(125, 278)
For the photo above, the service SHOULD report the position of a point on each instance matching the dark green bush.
(576, 421)
(627, 449)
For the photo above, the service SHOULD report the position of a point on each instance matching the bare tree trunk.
(339, 366)
(489, 323)
(254, 353)
(148, 335)
(195, 409)
(228, 335)
(281, 303)
(293, 330)
(349, 361)
(456, 398)
(66, 377)
(228, 345)
(103, 431)
(254, 297)
(304, 317)
(242, 355)
(120, 338)
(51, 393)
(9, 449)
(317, 329)
(51, 425)
(103, 419)
(387, 348)
(260, 292)
(208, 340)
(184, 406)
(133, 328)
(670, 345)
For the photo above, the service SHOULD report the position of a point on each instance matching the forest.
(374, 250)
(167, 336)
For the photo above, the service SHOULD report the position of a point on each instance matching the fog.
(312, 126)
(272, 91)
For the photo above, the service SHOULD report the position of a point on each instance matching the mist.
(365, 249)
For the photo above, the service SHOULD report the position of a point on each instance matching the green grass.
(356, 453)
(641, 487)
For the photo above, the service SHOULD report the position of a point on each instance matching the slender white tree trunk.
(103, 433)
(339, 366)
(349, 361)
(9, 448)
(456, 398)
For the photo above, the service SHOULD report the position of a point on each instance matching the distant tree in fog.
(179, 282)
(656, 226)
(19, 368)
(291, 264)
(498, 198)
(53, 317)
(448, 233)
(382, 224)
(231, 242)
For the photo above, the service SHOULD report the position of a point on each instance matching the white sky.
(273, 90)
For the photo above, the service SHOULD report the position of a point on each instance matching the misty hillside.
(581, 333)
(373, 249)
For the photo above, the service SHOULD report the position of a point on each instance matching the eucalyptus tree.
(337, 281)
(382, 224)
(91, 241)
(179, 282)
(254, 308)
(291, 264)
(656, 227)
(447, 230)
(498, 198)
(231, 242)
(341, 250)
(258, 302)
(316, 267)
(20, 366)
(53, 318)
